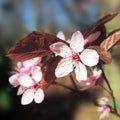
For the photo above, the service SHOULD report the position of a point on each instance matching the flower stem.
(104, 88)
(73, 82)
(110, 88)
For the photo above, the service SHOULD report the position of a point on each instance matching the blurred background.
(20, 17)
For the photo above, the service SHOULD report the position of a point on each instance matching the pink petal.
(105, 113)
(61, 35)
(37, 60)
(65, 66)
(26, 70)
(13, 80)
(77, 42)
(37, 74)
(28, 63)
(103, 101)
(61, 49)
(26, 81)
(20, 65)
(39, 96)
(91, 38)
(81, 72)
(32, 62)
(89, 57)
(90, 82)
(27, 97)
(97, 73)
(21, 90)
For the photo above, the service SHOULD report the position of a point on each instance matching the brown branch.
(110, 88)
(73, 82)
(104, 88)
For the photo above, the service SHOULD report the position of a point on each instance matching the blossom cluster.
(83, 55)
(27, 78)
(104, 108)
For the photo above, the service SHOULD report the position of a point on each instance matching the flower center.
(36, 86)
(75, 57)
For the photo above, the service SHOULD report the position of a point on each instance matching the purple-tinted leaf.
(33, 45)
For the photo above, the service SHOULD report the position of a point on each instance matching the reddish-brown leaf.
(33, 45)
(104, 55)
(49, 72)
(99, 26)
(112, 39)
(95, 27)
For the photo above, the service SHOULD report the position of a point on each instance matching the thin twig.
(67, 87)
(111, 91)
(73, 82)
(104, 88)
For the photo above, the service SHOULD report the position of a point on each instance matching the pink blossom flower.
(32, 89)
(28, 65)
(104, 108)
(28, 82)
(106, 111)
(74, 56)
(91, 81)
(25, 67)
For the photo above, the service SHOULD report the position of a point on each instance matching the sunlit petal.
(77, 42)
(39, 96)
(81, 72)
(61, 49)
(27, 97)
(65, 66)
(89, 57)
(26, 81)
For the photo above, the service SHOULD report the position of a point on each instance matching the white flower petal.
(103, 101)
(89, 57)
(21, 90)
(26, 81)
(37, 74)
(27, 97)
(97, 73)
(39, 96)
(28, 63)
(26, 70)
(13, 80)
(20, 65)
(61, 49)
(81, 72)
(65, 66)
(77, 42)
(61, 35)
(37, 60)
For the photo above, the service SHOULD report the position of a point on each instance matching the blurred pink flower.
(91, 81)
(28, 65)
(105, 113)
(74, 56)
(104, 108)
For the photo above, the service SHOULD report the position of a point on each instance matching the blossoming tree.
(42, 58)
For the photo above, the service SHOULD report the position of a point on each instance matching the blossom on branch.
(74, 56)
(28, 77)
(104, 108)
(92, 80)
